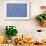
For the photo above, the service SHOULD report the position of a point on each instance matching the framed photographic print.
(16, 10)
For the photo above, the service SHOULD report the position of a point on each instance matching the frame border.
(5, 10)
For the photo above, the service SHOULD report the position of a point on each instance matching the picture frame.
(23, 13)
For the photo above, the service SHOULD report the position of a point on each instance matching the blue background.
(16, 10)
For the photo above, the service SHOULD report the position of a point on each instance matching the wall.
(22, 25)
(25, 27)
